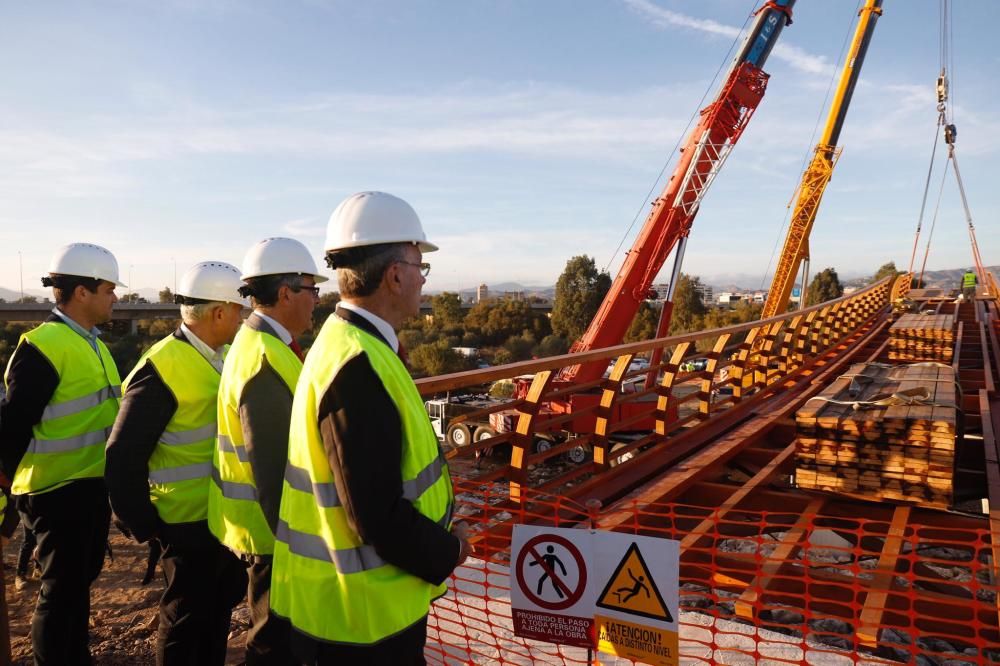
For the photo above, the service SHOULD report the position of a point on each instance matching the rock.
(695, 601)
(890, 635)
(782, 616)
(830, 625)
(933, 644)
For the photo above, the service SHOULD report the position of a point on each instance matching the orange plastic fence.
(756, 586)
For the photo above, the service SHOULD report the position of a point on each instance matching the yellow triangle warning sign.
(631, 589)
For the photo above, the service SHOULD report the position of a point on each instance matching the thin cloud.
(662, 18)
(309, 227)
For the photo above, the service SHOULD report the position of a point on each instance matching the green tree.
(447, 310)
(579, 292)
(495, 321)
(27, 299)
(688, 308)
(825, 287)
(886, 270)
(165, 295)
(437, 359)
(644, 323)
(521, 346)
(551, 345)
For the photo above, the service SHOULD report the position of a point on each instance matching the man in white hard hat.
(365, 540)
(255, 407)
(159, 466)
(62, 396)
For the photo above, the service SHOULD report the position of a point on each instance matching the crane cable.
(670, 156)
(942, 121)
(950, 134)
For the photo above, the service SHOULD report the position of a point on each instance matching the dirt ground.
(123, 612)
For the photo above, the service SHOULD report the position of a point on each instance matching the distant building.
(704, 292)
(728, 299)
(661, 291)
(482, 293)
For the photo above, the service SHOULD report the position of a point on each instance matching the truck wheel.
(613, 460)
(542, 445)
(577, 455)
(483, 432)
(459, 435)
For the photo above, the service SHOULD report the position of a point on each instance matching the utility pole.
(131, 287)
(20, 270)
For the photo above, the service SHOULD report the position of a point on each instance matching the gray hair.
(191, 314)
(366, 267)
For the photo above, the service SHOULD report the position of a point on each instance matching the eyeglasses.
(424, 267)
(314, 290)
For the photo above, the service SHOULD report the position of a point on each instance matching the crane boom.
(703, 154)
(817, 174)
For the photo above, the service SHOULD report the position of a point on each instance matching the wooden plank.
(790, 543)
(885, 572)
(760, 478)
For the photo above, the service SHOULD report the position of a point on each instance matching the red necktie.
(298, 350)
(401, 352)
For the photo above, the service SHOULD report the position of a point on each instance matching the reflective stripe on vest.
(325, 579)
(234, 513)
(180, 467)
(68, 442)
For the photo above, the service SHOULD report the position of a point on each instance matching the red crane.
(721, 124)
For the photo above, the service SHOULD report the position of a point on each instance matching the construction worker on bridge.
(365, 540)
(63, 391)
(969, 282)
(159, 467)
(255, 408)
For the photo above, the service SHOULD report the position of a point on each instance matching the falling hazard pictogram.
(631, 589)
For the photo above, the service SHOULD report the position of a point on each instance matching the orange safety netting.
(755, 586)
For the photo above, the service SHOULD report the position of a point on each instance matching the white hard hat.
(277, 256)
(371, 218)
(85, 260)
(212, 281)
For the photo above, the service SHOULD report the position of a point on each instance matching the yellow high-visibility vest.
(68, 442)
(326, 580)
(180, 468)
(234, 513)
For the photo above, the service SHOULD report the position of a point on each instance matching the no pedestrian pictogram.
(631, 589)
(546, 577)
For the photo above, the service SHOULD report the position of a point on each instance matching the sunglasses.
(424, 267)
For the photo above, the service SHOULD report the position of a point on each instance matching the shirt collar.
(282, 332)
(383, 327)
(213, 356)
(90, 335)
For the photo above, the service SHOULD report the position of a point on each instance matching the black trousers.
(268, 638)
(205, 581)
(71, 527)
(28, 544)
(404, 649)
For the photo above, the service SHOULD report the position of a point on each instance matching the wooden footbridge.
(859, 578)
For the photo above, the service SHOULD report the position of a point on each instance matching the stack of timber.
(922, 337)
(882, 432)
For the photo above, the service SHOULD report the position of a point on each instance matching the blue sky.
(523, 132)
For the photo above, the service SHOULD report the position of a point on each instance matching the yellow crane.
(795, 251)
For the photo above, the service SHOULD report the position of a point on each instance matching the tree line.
(501, 330)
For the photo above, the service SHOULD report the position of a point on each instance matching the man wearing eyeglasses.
(255, 405)
(365, 539)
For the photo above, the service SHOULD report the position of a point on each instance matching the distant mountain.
(951, 278)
